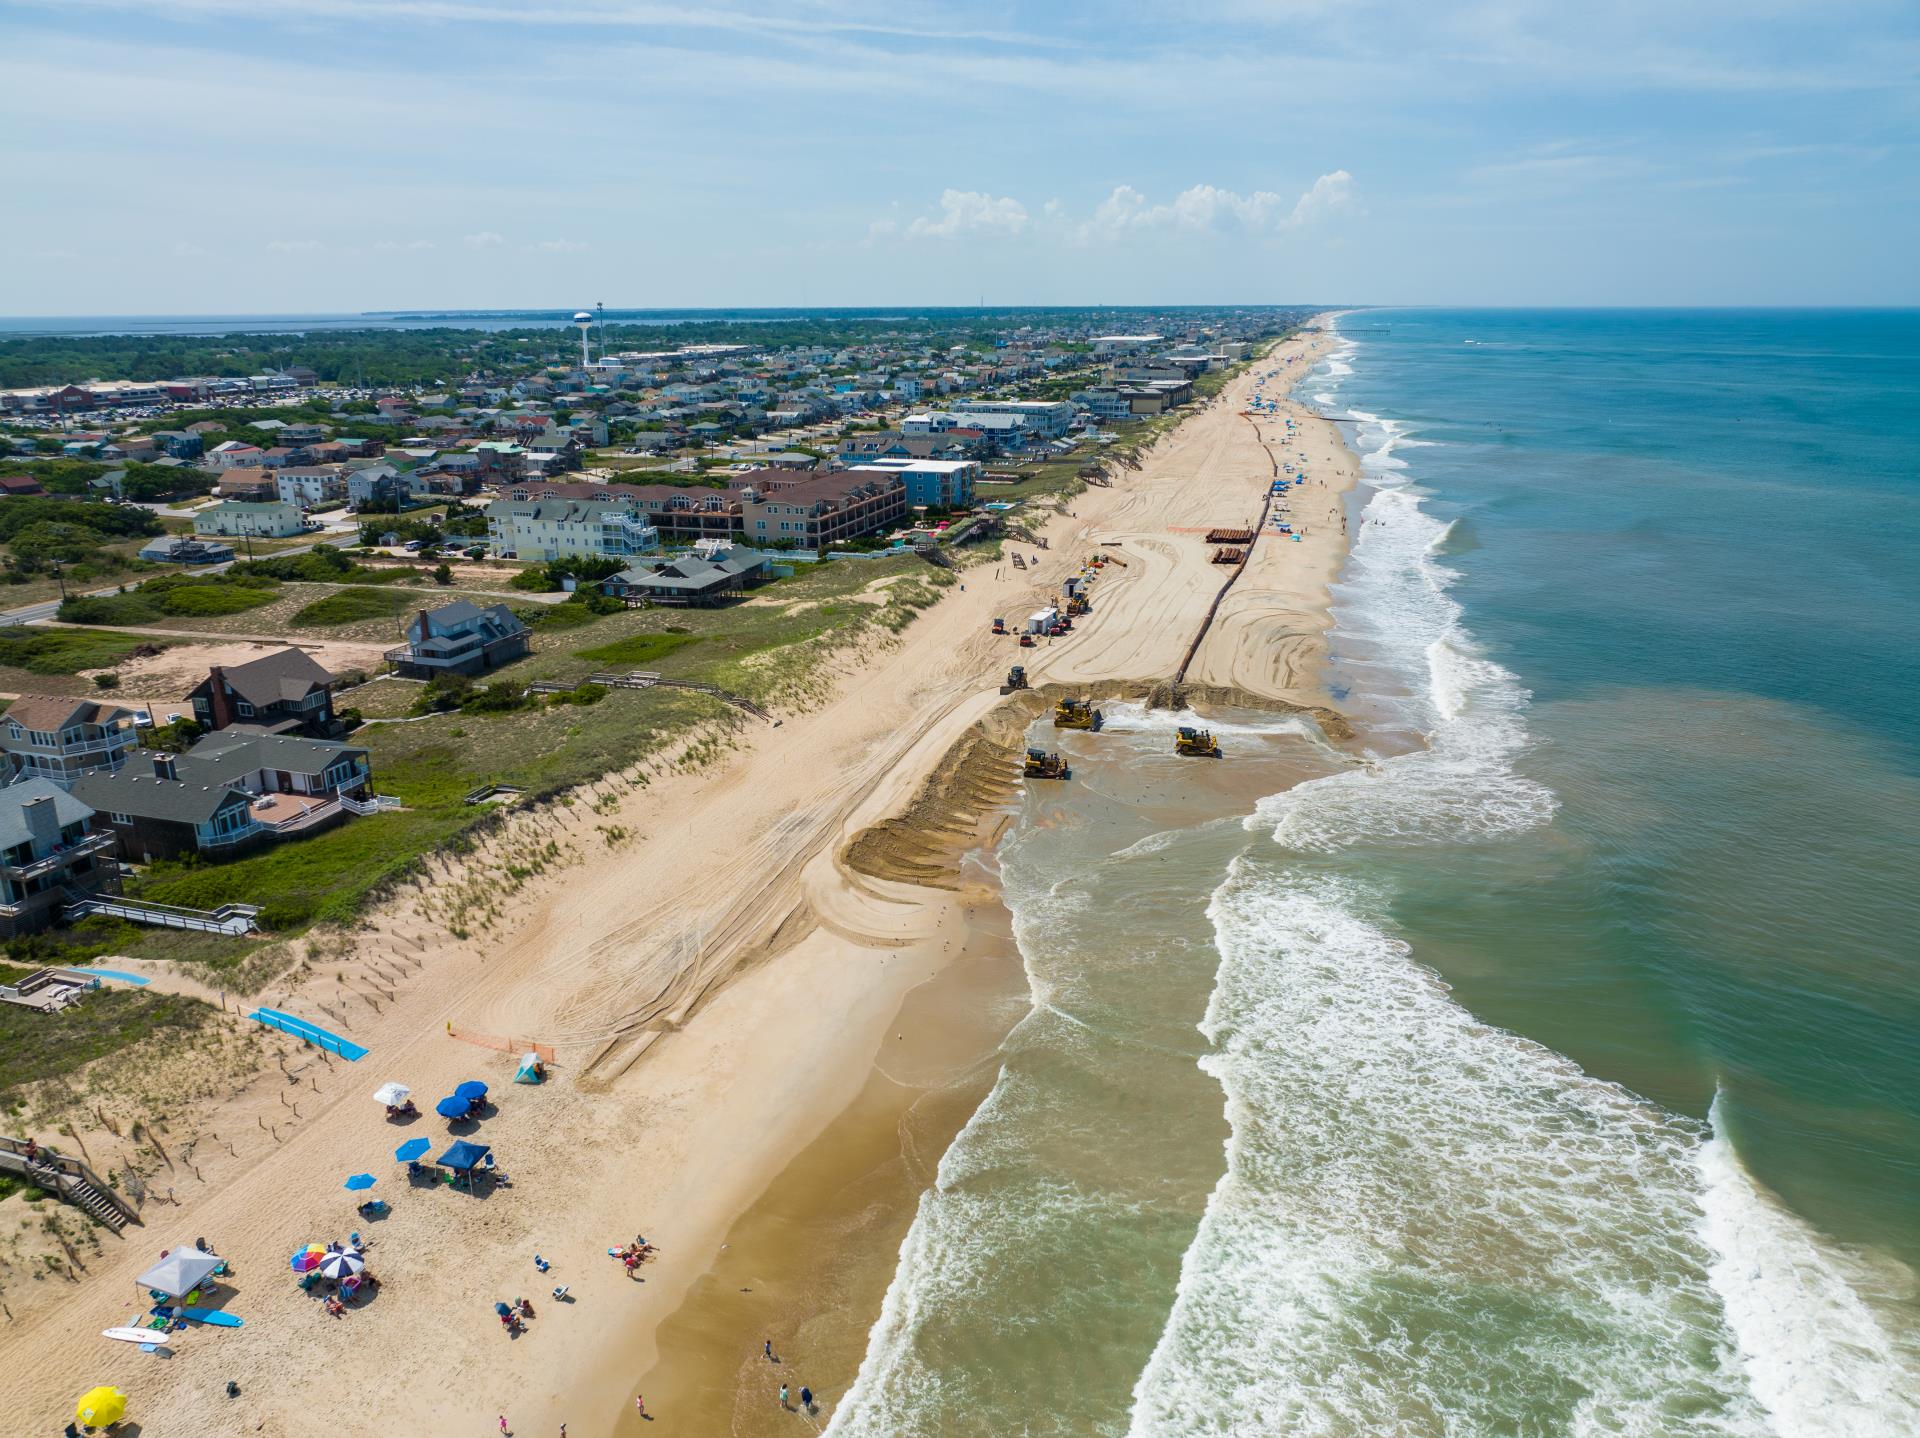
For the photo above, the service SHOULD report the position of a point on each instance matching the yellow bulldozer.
(1043, 765)
(1197, 742)
(1076, 714)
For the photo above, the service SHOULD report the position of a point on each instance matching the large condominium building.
(934, 483)
(823, 510)
(544, 529)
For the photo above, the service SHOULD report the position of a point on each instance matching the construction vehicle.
(1076, 714)
(1016, 679)
(1026, 641)
(1197, 742)
(1078, 605)
(1043, 765)
(999, 626)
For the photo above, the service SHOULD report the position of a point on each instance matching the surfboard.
(146, 1337)
(213, 1316)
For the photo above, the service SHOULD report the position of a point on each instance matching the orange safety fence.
(504, 1045)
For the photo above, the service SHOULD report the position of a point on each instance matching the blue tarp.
(463, 1155)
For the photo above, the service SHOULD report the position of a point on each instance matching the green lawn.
(637, 649)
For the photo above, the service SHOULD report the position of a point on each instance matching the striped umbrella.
(344, 1264)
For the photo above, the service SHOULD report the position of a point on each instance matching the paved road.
(45, 610)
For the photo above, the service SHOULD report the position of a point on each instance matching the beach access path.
(716, 988)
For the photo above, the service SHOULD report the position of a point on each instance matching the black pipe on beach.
(1246, 557)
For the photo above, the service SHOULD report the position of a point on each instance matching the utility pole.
(61, 580)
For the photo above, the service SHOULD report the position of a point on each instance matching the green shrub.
(205, 600)
(534, 581)
(350, 606)
(66, 651)
(585, 694)
(638, 649)
(106, 681)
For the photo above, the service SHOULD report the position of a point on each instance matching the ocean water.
(1556, 1068)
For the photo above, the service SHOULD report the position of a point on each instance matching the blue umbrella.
(362, 1180)
(470, 1090)
(411, 1149)
(451, 1108)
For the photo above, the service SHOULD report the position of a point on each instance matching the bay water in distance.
(1556, 1074)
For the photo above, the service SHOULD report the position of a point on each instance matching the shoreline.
(846, 1200)
(708, 1033)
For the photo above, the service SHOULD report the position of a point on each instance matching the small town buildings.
(282, 692)
(460, 638)
(271, 519)
(61, 739)
(1044, 417)
(691, 579)
(546, 529)
(50, 855)
(825, 509)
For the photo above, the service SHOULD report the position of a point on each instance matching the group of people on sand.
(513, 1316)
(786, 1392)
(633, 1254)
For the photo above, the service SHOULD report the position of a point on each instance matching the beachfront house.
(283, 692)
(544, 529)
(825, 509)
(50, 855)
(931, 483)
(691, 579)
(61, 739)
(460, 638)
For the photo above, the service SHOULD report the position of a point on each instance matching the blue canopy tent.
(465, 1157)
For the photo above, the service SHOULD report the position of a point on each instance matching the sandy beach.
(729, 998)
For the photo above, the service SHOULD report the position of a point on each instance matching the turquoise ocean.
(1555, 1070)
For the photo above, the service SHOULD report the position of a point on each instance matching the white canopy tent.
(180, 1272)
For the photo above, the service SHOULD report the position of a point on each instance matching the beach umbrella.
(360, 1181)
(451, 1107)
(308, 1257)
(411, 1149)
(100, 1406)
(470, 1090)
(344, 1264)
(392, 1094)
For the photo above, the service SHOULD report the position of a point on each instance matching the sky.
(290, 156)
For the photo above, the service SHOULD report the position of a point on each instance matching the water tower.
(584, 319)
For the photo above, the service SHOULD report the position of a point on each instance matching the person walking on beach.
(640, 1404)
(806, 1399)
(783, 1396)
(767, 1348)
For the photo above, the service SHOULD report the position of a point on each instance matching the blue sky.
(237, 156)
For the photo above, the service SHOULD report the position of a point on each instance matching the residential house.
(233, 452)
(557, 528)
(375, 484)
(179, 549)
(824, 509)
(61, 739)
(274, 519)
(152, 813)
(251, 482)
(20, 486)
(691, 579)
(179, 443)
(281, 692)
(460, 638)
(50, 855)
(312, 487)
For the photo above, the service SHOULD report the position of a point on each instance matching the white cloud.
(293, 247)
(485, 240)
(395, 246)
(187, 250)
(561, 247)
(1203, 208)
(1331, 197)
(969, 212)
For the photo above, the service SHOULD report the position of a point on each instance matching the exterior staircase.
(230, 919)
(71, 1180)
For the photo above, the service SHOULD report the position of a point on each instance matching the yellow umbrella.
(101, 1406)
